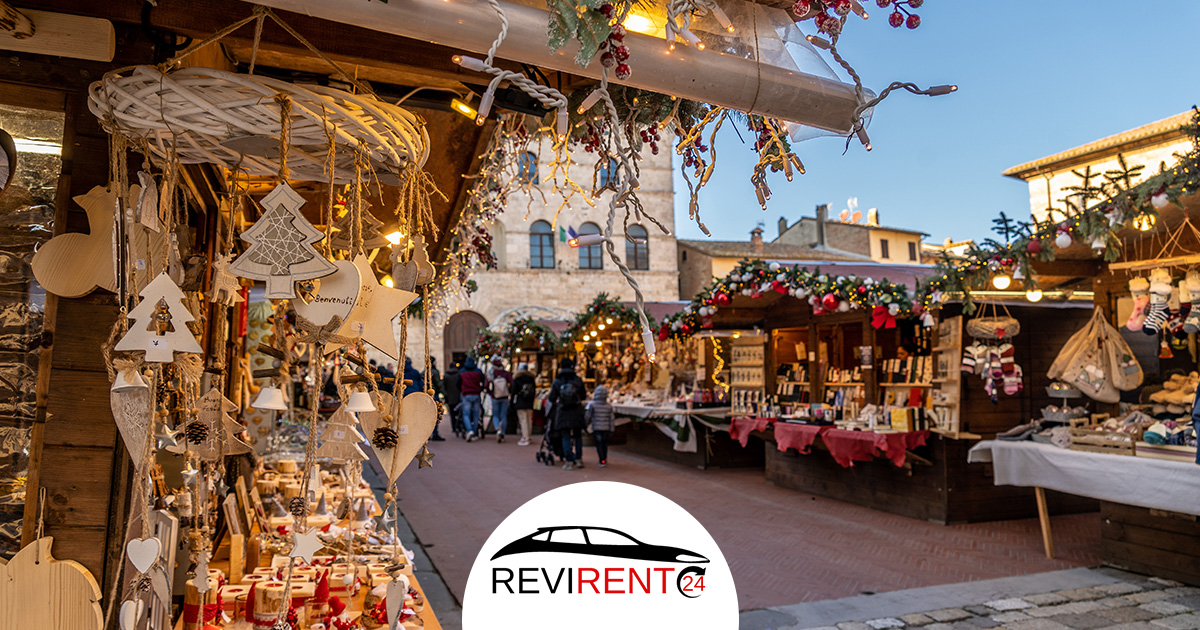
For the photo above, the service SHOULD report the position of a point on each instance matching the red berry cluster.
(650, 136)
(591, 138)
(692, 154)
(901, 16)
(614, 51)
(826, 22)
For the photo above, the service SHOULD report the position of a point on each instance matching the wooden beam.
(16, 23)
(1142, 265)
(1067, 268)
(64, 35)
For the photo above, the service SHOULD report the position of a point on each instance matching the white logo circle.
(600, 554)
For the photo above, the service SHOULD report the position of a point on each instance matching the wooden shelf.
(758, 364)
(792, 383)
(844, 384)
(905, 384)
(944, 348)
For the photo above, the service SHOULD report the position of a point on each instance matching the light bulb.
(470, 63)
(395, 237)
(722, 18)
(1001, 281)
(1033, 295)
(608, 320)
(588, 102)
(598, 344)
(819, 42)
(388, 282)
(463, 108)
(485, 106)
(601, 327)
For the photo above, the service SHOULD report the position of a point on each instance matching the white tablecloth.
(1141, 481)
(688, 443)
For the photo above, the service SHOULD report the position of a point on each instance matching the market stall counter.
(1149, 507)
(696, 437)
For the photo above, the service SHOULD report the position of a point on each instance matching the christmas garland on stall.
(827, 293)
(604, 311)
(489, 344)
(1104, 203)
(527, 333)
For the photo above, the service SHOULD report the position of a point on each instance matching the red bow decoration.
(881, 317)
(779, 287)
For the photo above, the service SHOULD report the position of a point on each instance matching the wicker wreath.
(234, 120)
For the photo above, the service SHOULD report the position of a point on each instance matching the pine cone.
(196, 432)
(281, 625)
(298, 506)
(385, 438)
(144, 583)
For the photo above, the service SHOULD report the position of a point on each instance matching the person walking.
(470, 385)
(599, 417)
(500, 389)
(524, 394)
(567, 394)
(439, 395)
(416, 382)
(453, 400)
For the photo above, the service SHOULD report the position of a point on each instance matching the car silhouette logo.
(596, 541)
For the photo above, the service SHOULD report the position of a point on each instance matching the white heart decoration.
(418, 417)
(143, 553)
(336, 295)
(131, 613)
(395, 601)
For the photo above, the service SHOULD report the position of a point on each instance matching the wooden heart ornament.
(417, 418)
(143, 553)
(131, 613)
(38, 591)
(335, 296)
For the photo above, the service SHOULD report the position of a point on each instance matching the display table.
(845, 446)
(1153, 487)
(676, 435)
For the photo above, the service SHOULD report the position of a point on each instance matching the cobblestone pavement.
(782, 546)
(1115, 600)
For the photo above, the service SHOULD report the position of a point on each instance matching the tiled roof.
(776, 251)
(1165, 127)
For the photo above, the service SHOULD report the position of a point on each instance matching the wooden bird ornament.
(39, 591)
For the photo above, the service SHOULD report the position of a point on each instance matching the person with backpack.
(500, 388)
(599, 417)
(470, 385)
(567, 394)
(524, 394)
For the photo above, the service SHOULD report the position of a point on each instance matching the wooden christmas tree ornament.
(281, 246)
(372, 236)
(160, 323)
(217, 426)
(340, 439)
(38, 591)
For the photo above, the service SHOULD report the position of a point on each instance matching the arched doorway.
(460, 335)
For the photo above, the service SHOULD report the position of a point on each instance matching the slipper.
(1013, 381)
(1140, 288)
(1006, 357)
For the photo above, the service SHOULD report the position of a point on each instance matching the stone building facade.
(556, 282)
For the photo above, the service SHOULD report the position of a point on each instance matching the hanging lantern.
(270, 398)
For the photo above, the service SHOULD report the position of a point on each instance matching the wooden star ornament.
(425, 458)
(375, 309)
(306, 545)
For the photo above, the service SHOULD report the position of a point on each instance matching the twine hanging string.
(330, 169)
(285, 120)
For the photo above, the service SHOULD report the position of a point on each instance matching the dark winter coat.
(568, 417)
(450, 385)
(470, 379)
(523, 378)
(411, 374)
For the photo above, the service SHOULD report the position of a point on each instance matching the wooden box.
(1100, 441)
(1169, 452)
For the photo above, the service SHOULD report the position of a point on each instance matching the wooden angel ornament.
(281, 246)
(160, 323)
(38, 591)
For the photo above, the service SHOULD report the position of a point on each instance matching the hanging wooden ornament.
(372, 227)
(415, 271)
(143, 553)
(225, 288)
(335, 296)
(210, 426)
(131, 613)
(417, 417)
(148, 202)
(281, 246)
(396, 592)
(340, 439)
(375, 309)
(160, 323)
(8, 159)
(306, 545)
(38, 591)
(130, 403)
(75, 264)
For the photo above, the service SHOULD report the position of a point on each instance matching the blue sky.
(1034, 77)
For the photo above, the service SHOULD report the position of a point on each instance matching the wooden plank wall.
(82, 464)
(1044, 331)
(1154, 542)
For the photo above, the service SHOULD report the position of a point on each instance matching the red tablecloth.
(797, 436)
(741, 427)
(848, 447)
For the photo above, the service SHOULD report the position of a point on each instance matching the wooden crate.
(1100, 441)
(1168, 452)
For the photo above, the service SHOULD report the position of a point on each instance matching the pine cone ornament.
(281, 625)
(144, 583)
(298, 506)
(196, 432)
(385, 438)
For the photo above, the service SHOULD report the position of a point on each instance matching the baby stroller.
(550, 447)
